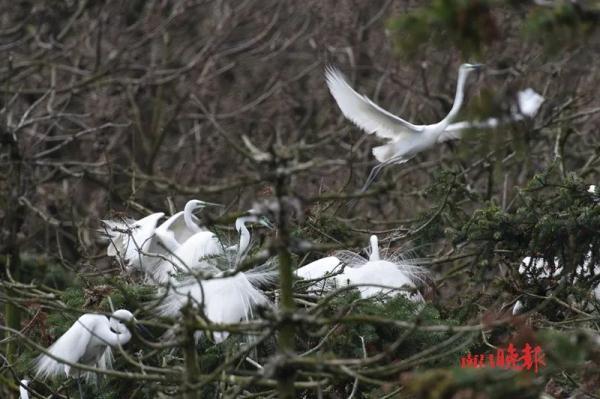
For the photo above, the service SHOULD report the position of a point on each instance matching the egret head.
(471, 67)
(197, 204)
(252, 216)
(118, 319)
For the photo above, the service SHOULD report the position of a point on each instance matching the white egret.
(182, 225)
(88, 342)
(188, 256)
(320, 268)
(405, 139)
(193, 252)
(23, 392)
(224, 300)
(131, 239)
(244, 234)
(374, 276)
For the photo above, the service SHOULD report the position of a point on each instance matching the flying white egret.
(405, 139)
(88, 342)
(373, 276)
(23, 392)
(131, 239)
(224, 300)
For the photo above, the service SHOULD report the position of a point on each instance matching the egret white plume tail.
(224, 300)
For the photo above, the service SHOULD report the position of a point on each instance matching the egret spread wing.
(365, 113)
(174, 228)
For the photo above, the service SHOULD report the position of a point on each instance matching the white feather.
(406, 139)
(23, 392)
(87, 342)
(365, 113)
(225, 300)
(529, 102)
(375, 276)
(130, 239)
(319, 268)
(191, 255)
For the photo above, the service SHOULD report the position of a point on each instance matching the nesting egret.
(188, 256)
(182, 225)
(224, 300)
(244, 234)
(23, 392)
(372, 275)
(131, 239)
(320, 268)
(88, 342)
(405, 139)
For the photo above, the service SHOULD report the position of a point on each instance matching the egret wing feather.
(224, 300)
(365, 113)
(320, 268)
(70, 346)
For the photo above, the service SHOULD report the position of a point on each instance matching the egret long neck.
(374, 248)
(188, 217)
(240, 225)
(121, 337)
(458, 97)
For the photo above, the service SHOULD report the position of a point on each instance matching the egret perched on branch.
(88, 342)
(192, 254)
(244, 234)
(224, 299)
(405, 139)
(373, 276)
(150, 248)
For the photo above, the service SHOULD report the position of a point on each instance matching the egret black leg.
(79, 387)
(372, 176)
